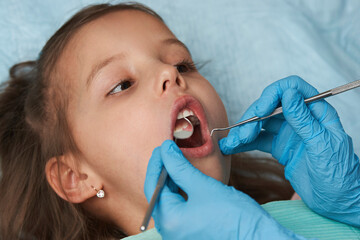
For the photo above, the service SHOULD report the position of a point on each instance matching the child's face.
(116, 127)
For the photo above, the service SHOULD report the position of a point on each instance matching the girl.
(79, 124)
(82, 120)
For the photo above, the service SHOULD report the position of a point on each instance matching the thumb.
(263, 143)
(243, 134)
(168, 197)
(153, 173)
(181, 171)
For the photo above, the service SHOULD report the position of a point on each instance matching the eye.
(121, 86)
(185, 66)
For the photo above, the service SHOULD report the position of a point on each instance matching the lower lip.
(198, 152)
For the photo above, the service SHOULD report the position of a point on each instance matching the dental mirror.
(183, 129)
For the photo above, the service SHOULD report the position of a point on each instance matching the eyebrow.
(176, 41)
(107, 61)
(101, 65)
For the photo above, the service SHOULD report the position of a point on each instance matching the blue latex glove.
(310, 142)
(212, 211)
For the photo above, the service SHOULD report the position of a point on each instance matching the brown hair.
(262, 178)
(33, 129)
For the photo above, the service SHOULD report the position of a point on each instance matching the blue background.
(246, 44)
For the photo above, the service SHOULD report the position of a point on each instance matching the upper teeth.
(184, 113)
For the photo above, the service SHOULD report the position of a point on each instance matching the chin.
(215, 165)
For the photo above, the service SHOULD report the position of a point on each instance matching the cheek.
(118, 144)
(217, 165)
(214, 107)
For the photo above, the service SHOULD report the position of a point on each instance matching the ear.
(66, 181)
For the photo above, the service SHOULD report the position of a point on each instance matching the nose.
(169, 79)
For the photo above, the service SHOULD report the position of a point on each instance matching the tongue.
(183, 129)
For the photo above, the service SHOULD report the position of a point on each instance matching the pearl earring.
(99, 193)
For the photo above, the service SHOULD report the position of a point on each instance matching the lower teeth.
(183, 129)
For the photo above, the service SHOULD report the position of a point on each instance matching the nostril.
(164, 85)
(178, 81)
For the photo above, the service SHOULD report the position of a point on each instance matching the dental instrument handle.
(154, 198)
(331, 92)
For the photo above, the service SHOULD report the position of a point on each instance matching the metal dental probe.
(155, 196)
(331, 92)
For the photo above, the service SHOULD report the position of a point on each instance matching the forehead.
(116, 32)
(126, 26)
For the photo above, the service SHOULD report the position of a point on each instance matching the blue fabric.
(293, 215)
(249, 43)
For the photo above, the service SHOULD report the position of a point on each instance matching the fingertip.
(294, 78)
(169, 148)
(155, 152)
(155, 160)
(172, 158)
(167, 143)
(231, 139)
(296, 82)
(265, 105)
(224, 146)
(170, 145)
(239, 136)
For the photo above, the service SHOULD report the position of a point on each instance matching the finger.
(166, 203)
(168, 196)
(152, 173)
(325, 114)
(242, 134)
(181, 171)
(299, 116)
(238, 137)
(272, 95)
(172, 186)
(273, 125)
(262, 143)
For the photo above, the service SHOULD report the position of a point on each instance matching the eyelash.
(121, 83)
(190, 66)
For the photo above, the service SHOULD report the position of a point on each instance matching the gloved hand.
(212, 211)
(310, 142)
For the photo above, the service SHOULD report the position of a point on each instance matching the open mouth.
(196, 138)
(199, 143)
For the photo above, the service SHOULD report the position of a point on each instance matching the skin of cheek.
(216, 165)
(109, 139)
(119, 147)
(120, 159)
(121, 156)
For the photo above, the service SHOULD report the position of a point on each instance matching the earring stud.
(99, 193)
